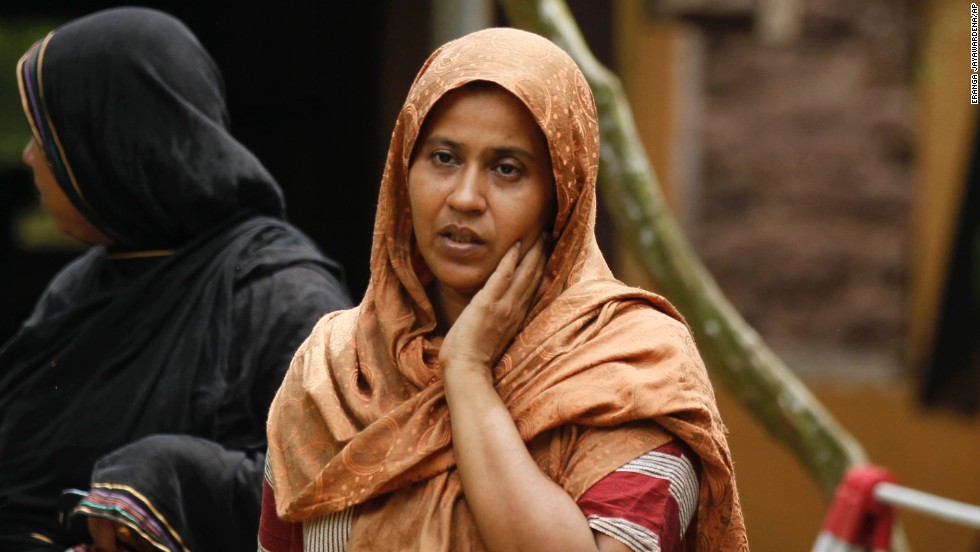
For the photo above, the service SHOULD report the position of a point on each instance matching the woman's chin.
(460, 287)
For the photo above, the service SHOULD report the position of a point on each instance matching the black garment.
(951, 377)
(191, 344)
(217, 505)
(188, 348)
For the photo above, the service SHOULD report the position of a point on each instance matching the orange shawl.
(600, 374)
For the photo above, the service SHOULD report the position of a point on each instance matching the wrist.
(464, 367)
(465, 377)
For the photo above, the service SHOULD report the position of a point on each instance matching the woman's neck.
(448, 305)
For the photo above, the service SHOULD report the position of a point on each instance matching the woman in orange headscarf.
(497, 388)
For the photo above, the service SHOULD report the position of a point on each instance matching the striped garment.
(328, 532)
(647, 504)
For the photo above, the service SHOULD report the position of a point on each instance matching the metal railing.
(863, 511)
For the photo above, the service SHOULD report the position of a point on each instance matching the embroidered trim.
(140, 254)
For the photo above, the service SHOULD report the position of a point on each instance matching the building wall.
(815, 158)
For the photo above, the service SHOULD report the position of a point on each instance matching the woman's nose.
(28, 153)
(468, 193)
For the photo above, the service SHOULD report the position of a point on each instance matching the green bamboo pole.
(733, 351)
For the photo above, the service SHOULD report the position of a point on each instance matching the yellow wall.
(931, 452)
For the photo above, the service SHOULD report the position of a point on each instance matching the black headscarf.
(130, 111)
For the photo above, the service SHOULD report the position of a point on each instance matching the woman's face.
(480, 180)
(54, 201)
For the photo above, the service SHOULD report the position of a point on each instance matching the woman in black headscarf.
(147, 367)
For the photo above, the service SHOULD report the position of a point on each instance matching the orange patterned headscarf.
(599, 374)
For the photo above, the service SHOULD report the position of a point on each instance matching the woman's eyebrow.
(442, 141)
(513, 151)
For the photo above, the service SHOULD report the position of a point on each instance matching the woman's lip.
(464, 232)
(459, 249)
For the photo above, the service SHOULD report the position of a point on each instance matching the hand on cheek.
(491, 320)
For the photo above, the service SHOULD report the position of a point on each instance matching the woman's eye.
(442, 158)
(508, 169)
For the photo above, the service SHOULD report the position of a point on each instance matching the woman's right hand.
(485, 328)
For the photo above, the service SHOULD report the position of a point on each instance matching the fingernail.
(518, 245)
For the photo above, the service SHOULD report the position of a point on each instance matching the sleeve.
(276, 535)
(179, 492)
(649, 502)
